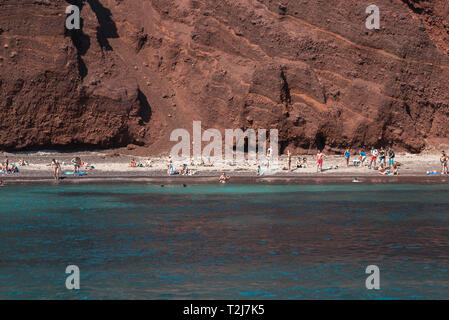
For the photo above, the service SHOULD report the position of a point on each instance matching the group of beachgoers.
(382, 160)
(184, 170)
(301, 162)
(77, 165)
(148, 163)
(376, 160)
(7, 168)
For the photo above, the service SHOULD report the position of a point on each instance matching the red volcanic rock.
(139, 69)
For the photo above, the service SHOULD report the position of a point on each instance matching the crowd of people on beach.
(146, 164)
(185, 169)
(377, 160)
(382, 160)
(77, 165)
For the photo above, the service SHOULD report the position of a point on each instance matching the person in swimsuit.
(319, 161)
(54, 166)
(391, 156)
(347, 156)
(362, 157)
(5, 165)
(374, 154)
(76, 165)
(395, 169)
(382, 156)
(444, 160)
(269, 154)
(223, 178)
(289, 160)
(170, 168)
(58, 169)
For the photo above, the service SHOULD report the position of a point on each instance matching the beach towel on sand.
(73, 173)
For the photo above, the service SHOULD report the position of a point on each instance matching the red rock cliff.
(140, 68)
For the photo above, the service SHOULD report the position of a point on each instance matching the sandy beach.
(113, 165)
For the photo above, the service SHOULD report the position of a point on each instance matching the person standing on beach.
(6, 165)
(319, 161)
(53, 166)
(76, 165)
(56, 168)
(374, 153)
(170, 167)
(269, 153)
(391, 156)
(347, 156)
(444, 160)
(289, 161)
(382, 156)
(362, 157)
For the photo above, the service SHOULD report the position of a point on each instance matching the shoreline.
(241, 179)
(114, 167)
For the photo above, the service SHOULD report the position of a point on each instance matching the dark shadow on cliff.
(285, 89)
(80, 40)
(320, 141)
(411, 5)
(107, 29)
(145, 108)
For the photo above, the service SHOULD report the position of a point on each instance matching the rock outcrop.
(138, 69)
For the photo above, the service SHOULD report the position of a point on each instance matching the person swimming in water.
(223, 178)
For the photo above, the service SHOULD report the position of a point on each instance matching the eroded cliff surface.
(138, 69)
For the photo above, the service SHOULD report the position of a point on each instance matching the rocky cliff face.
(138, 69)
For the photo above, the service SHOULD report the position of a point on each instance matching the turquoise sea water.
(137, 241)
